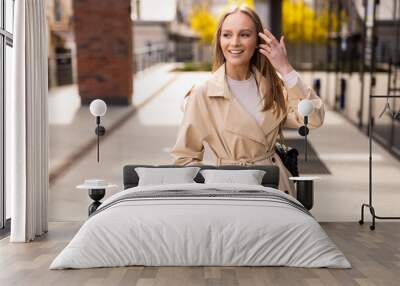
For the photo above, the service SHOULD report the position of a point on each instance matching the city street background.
(143, 61)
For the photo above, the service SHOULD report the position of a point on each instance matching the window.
(6, 62)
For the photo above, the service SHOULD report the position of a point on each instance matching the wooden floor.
(374, 255)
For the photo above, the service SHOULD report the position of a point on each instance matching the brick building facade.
(103, 35)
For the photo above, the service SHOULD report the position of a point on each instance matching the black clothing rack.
(391, 93)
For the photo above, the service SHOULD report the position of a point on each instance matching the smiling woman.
(237, 44)
(253, 93)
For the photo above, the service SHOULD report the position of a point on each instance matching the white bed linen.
(200, 231)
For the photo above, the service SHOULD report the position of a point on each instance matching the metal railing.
(61, 69)
(150, 55)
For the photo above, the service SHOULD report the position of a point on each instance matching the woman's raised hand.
(275, 52)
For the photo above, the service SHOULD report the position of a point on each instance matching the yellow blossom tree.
(204, 23)
(301, 24)
(249, 3)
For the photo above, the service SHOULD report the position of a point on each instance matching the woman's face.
(238, 39)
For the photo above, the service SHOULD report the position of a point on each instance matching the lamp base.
(303, 130)
(100, 130)
(96, 195)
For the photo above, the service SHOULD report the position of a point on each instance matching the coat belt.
(245, 161)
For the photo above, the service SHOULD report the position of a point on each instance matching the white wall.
(156, 33)
(353, 92)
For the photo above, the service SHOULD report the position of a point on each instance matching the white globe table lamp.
(305, 107)
(98, 108)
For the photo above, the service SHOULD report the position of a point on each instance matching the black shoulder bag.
(287, 154)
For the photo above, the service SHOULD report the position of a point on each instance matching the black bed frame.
(305, 193)
(270, 179)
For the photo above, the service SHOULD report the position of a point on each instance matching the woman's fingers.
(269, 34)
(271, 45)
(265, 47)
(267, 39)
(274, 50)
(282, 43)
(264, 52)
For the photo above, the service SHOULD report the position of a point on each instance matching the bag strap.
(281, 138)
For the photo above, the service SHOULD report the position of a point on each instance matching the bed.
(198, 224)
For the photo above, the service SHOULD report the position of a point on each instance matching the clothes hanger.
(387, 109)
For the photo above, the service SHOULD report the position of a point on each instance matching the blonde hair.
(274, 96)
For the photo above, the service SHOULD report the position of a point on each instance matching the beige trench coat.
(213, 115)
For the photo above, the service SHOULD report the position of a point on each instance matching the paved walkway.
(72, 125)
(147, 135)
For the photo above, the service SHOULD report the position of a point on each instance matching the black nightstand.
(305, 190)
(96, 190)
(96, 195)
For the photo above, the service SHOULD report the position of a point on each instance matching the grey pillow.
(163, 176)
(248, 177)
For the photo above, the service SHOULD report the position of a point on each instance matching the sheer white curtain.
(27, 124)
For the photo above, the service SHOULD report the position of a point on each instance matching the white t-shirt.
(246, 92)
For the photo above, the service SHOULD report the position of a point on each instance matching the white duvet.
(200, 231)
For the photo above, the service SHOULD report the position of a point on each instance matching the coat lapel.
(237, 120)
(269, 120)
